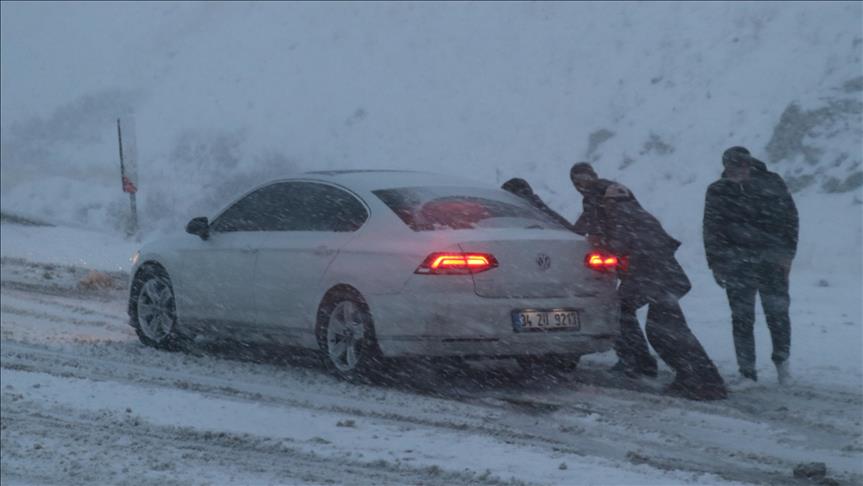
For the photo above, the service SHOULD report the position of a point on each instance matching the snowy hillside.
(225, 94)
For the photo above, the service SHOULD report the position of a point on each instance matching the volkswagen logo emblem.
(543, 261)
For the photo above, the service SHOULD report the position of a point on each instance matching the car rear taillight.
(603, 262)
(453, 263)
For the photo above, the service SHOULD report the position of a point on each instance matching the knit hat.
(736, 156)
(581, 168)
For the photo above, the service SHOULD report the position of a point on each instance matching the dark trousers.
(669, 335)
(631, 345)
(771, 282)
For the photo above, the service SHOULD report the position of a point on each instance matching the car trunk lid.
(533, 264)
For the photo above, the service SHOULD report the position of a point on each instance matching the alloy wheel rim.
(156, 309)
(345, 334)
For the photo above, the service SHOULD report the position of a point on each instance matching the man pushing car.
(614, 221)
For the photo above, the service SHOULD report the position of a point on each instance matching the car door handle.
(248, 250)
(324, 250)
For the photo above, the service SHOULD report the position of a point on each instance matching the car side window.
(243, 215)
(309, 206)
(329, 208)
(294, 206)
(278, 206)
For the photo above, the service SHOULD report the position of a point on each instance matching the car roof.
(371, 180)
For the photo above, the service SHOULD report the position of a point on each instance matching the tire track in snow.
(554, 431)
(81, 457)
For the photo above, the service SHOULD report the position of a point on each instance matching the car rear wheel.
(155, 316)
(346, 338)
(548, 364)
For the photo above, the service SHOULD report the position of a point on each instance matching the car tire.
(347, 340)
(548, 364)
(153, 309)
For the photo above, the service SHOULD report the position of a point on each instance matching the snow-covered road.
(84, 402)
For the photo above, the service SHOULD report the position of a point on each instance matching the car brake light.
(456, 263)
(604, 262)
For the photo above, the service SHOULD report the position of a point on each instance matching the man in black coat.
(750, 238)
(614, 220)
(634, 356)
(522, 189)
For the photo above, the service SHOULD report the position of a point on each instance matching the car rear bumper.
(463, 324)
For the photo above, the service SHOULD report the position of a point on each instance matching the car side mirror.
(199, 226)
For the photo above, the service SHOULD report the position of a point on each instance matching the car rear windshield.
(456, 208)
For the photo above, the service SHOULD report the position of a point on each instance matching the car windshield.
(457, 208)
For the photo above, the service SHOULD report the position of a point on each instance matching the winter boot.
(783, 372)
(621, 368)
(691, 389)
(647, 368)
(744, 381)
(749, 374)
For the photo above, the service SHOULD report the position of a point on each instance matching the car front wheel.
(155, 315)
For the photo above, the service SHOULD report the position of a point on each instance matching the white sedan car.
(367, 265)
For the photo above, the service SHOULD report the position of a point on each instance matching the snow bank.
(67, 246)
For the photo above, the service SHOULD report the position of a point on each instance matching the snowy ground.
(84, 402)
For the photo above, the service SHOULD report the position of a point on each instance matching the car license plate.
(546, 320)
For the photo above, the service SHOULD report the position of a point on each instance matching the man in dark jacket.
(593, 189)
(750, 238)
(522, 189)
(631, 347)
(614, 218)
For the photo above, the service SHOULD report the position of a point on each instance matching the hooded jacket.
(749, 221)
(592, 219)
(627, 230)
